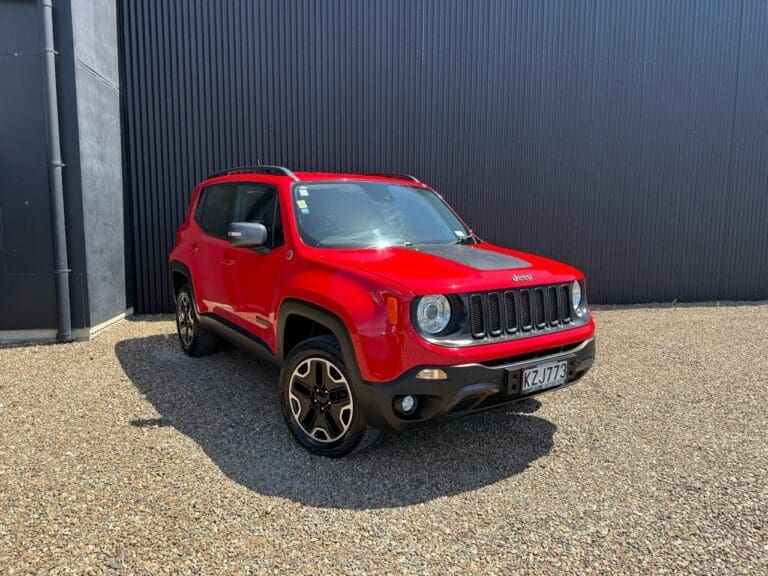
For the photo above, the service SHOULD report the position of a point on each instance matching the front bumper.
(468, 387)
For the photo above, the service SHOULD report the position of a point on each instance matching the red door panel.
(209, 250)
(256, 277)
(254, 274)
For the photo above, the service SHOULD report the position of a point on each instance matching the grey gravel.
(123, 456)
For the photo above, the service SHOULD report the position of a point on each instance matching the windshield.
(373, 214)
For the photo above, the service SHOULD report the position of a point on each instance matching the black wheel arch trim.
(293, 306)
(180, 267)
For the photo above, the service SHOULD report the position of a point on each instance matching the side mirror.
(247, 234)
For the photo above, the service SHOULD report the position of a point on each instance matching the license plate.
(544, 376)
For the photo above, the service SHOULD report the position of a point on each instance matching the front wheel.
(318, 400)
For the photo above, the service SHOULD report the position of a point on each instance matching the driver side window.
(213, 209)
(258, 203)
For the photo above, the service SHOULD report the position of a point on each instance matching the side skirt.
(237, 336)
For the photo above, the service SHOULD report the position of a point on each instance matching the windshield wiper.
(470, 239)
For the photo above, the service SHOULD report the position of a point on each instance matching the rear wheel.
(195, 340)
(318, 400)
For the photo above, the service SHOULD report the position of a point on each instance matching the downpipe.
(55, 184)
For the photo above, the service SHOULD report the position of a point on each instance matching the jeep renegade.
(384, 309)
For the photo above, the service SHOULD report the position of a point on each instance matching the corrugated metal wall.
(627, 138)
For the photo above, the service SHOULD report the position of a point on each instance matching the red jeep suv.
(384, 309)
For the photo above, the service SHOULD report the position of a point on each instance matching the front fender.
(355, 310)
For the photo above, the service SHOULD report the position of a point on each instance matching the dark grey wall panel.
(628, 138)
(26, 266)
(94, 25)
(25, 237)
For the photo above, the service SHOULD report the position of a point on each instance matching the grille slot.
(477, 320)
(565, 292)
(525, 310)
(494, 314)
(540, 313)
(553, 306)
(510, 312)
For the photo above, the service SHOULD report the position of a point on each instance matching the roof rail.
(258, 169)
(392, 175)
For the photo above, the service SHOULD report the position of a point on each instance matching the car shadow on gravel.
(227, 403)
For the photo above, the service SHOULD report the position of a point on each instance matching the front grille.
(531, 310)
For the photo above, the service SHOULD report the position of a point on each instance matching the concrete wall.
(94, 25)
(85, 34)
(27, 298)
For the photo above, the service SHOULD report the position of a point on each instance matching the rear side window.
(214, 208)
(258, 203)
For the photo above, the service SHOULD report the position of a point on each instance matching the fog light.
(406, 404)
(432, 374)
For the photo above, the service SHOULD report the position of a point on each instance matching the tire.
(194, 339)
(318, 400)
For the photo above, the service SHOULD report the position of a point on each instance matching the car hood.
(429, 269)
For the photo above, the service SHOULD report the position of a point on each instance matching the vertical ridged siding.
(627, 138)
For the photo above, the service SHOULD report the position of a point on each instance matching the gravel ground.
(123, 456)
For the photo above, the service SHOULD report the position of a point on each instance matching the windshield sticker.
(301, 203)
(303, 192)
(305, 210)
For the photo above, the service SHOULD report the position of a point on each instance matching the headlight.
(577, 298)
(433, 313)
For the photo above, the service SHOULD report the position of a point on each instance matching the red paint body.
(247, 288)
